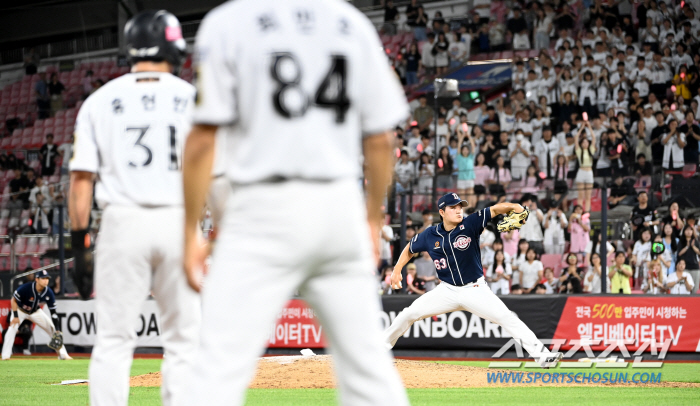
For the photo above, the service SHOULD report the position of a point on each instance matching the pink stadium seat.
(5, 249)
(5, 144)
(20, 245)
(23, 263)
(552, 261)
(59, 121)
(35, 262)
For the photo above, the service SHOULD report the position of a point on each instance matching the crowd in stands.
(611, 100)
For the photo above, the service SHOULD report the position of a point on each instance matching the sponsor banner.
(604, 320)
(475, 77)
(461, 330)
(296, 327)
(79, 323)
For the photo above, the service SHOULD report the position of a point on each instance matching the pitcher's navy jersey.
(456, 253)
(29, 300)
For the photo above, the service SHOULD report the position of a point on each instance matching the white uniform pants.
(476, 298)
(39, 318)
(276, 239)
(140, 252)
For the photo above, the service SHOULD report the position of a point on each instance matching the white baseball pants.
(476, 298)
(41, 319)
(139, 251)
(276, 239)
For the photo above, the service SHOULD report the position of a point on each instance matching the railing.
(23, 274)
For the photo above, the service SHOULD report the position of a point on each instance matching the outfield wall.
(595, 320)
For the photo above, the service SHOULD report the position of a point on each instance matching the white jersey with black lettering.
(131, 133)
(294, 84)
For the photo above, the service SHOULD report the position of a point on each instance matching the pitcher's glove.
(513, 220)
(83, 263)
(56, 341)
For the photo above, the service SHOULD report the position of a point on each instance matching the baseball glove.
(513, 221)
(56, 341)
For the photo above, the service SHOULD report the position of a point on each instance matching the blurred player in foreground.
(301, 89)
(26, 304)
(454, 247)
(130, 134)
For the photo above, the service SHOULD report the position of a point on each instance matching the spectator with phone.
(674, 142)
(585, 151)
(499, 274)
(579, 229)
(680, 282)
(465, 165)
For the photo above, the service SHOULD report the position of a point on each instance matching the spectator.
(516, 289)
(425, 270)
(385, 281)
(543, 26)
(670, 242)
(40, 214)
(423, 114)
(551, 283)
(688, 251)
(31, 61)
(546, 152)
(481, 175)
(510, 241)
(531, 182)
(531, 271)
(680, 282)
(47, 156)
(41, 91)
(465, 167)
(87, 84)
(571, 271)
(554, 224)
(690, 128)
(459, 51)
(414, 285)
(540, 289)
(674, 142)
(18, 185)
(674, 219)
(641, 253)
(518, 259)
(39, 187)
(54, 215)
(65, 150)
(620, 191)
(654, 279)
(498, 274)
(579, 228)
(445, 169)
(519, 154)
(56, 89)
(405, 172)
(500, 178)
(391, 16)
(440, 52)
(573, 286)
(642, 214)
(426, 172)
(532, 229)
(620, 275)
(413, 64)
(642, 167)
(592, 281)
(585, 150)
(420, 25)
(517, 28)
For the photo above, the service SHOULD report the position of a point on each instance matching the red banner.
(296, 327)
(4, 311)
(643, 319)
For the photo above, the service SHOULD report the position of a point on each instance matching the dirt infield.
(316, 372)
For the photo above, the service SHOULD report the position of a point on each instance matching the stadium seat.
(35, 262)
(32, 245)
(23, 262)
(552, 261)
(6, 248)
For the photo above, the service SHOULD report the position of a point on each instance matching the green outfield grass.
(27, 382)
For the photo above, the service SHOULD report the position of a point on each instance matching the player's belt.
(282, 179)
(471, 284)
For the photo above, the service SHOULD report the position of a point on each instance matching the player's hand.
(396, 278)
(14, 322)
(519, 209)
(194, 257)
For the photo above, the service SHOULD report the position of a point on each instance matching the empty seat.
(23, 263)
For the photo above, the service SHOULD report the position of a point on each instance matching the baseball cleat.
(551, 360)
(67, 357)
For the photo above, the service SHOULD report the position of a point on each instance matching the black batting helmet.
(154, 36)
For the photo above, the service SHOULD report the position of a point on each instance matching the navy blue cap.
(451, 199)
(42, 274)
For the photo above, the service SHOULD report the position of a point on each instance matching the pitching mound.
(299, 372)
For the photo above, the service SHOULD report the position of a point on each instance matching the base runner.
(454, 247)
